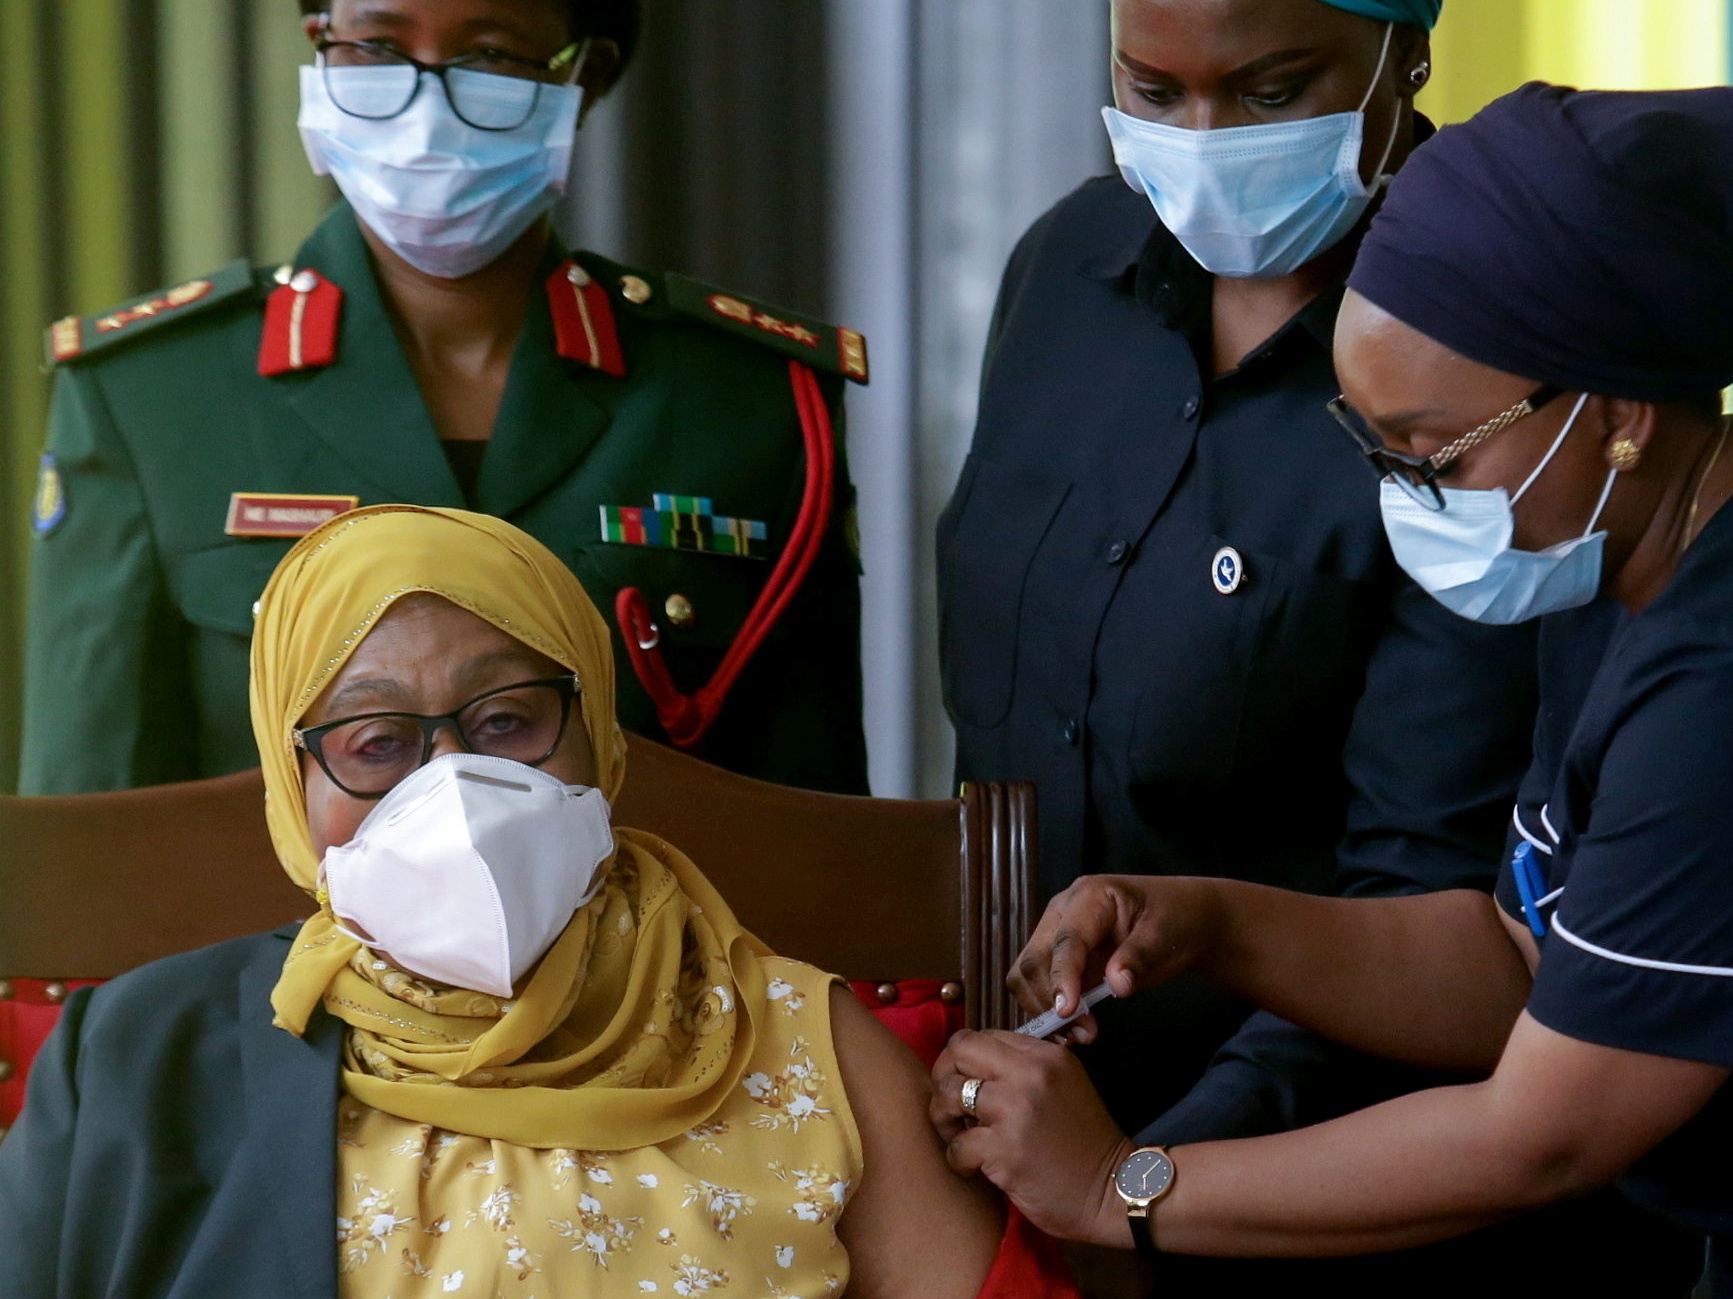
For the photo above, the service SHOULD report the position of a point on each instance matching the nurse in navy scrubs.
(1532, 353)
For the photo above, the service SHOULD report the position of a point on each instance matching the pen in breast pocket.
(1050, 1022)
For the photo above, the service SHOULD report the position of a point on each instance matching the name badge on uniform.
(260, 514)
(1227, 570)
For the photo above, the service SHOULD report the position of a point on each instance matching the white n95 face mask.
(445, 196)
(1254, 201)
(467, 871)
(1463, 557)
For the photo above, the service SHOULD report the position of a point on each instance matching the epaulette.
(824, 347)
(78, 337)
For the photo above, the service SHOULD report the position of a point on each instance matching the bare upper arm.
(1581, 1113)
(914, 1227)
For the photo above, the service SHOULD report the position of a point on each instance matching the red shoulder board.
(584, 328)
(301, 319)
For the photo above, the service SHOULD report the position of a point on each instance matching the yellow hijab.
(640, 1018)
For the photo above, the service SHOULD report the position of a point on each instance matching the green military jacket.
(163, 425)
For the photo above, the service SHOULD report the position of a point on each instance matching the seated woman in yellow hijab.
(517, 1051)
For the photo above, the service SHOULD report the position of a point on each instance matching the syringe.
(1050, 1022)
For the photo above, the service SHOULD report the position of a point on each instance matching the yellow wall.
(1483, 48)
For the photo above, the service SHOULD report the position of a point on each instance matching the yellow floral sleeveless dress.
(744, 1206)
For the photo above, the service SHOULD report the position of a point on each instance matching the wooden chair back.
(869, 888)
(93, 885)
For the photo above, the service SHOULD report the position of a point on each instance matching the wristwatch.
(1143, 1177)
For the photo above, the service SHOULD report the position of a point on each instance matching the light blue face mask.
(1254, 201)
(1463, 557)
(444, 195)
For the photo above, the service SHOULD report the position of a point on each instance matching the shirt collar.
(1155, 266)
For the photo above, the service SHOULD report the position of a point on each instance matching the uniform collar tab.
(584, 327)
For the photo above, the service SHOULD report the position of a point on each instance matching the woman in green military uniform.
(431, 343)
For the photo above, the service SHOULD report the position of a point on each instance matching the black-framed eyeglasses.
(1418, 475)
(489, 89)
(367, 755)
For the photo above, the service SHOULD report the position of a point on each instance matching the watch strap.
(1143, 1234)
(1142, 1212)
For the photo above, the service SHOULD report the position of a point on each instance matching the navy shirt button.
(1190, 409)
(1072, 731)
(1117, 552)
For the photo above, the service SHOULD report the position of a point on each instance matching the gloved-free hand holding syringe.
(1050, 1022)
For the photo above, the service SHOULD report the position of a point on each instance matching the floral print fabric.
(743, 1206)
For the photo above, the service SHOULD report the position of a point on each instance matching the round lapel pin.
(1227, 570)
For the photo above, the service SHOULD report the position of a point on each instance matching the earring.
(1624, 455)
(1420, 76)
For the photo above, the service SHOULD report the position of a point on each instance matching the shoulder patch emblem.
(74, 337)
(825, 347)
(50, 504)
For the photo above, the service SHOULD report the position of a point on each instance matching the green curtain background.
(142, 142)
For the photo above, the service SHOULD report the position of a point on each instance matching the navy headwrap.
(1578, 238)
(1422, 13)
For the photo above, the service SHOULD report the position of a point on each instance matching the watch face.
(1144, 1175)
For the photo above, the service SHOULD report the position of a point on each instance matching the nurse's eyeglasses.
(1418, 475)
(366, 756)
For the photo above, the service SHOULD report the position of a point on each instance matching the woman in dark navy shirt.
(1152, 602)
(1532, 352)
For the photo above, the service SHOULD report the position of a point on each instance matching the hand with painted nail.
(1130, 931)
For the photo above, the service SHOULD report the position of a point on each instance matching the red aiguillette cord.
(686, 718)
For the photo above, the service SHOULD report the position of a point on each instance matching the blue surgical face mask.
(1254, 201)
(1462, 554)
(444, 195)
